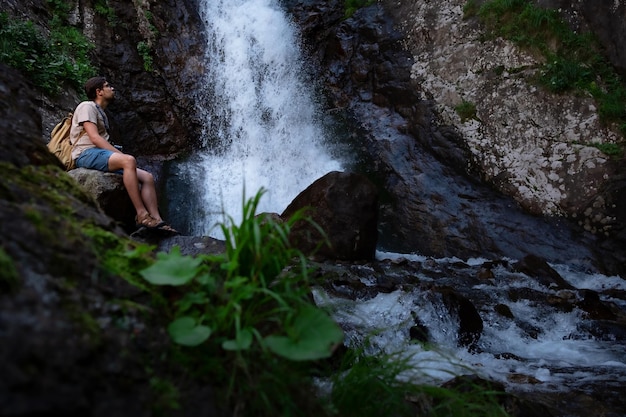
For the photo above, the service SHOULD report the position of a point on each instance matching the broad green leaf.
(241, 342)
(172, 269)
(313, 335)
(190, 299)
(185, 331)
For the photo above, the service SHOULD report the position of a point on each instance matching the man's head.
(94, 84)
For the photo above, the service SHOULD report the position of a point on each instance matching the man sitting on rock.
(90, 136)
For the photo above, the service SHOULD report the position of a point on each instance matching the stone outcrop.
(109, 192)
(345, 207)
(605, 18)
(538, 268)
(28, 209)
(533, 145)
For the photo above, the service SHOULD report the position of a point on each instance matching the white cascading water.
(264, 127)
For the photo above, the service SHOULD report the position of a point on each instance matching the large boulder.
(108, 190)
(345, 206)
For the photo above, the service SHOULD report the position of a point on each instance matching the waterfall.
(263, 125)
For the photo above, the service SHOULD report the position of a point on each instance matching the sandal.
(167, 228)
(148, 221)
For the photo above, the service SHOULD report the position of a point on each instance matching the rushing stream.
(264, 130)
(539, 348)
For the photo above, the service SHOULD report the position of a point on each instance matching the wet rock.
(504, 310)
(529, 329)
(342, 281)
(345, 207)
(608, 330)
(190, 245)
(470, 322)
(523, 293)
(419, 331)
(537, 267)
(563, 304)
(594, 307)
(485, 273)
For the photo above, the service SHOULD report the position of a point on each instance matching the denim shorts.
(95, 158)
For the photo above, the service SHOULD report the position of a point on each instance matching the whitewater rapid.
(561, 356)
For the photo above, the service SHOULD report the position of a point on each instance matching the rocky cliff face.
(531, 144)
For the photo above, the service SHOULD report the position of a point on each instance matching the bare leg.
(148, 193)
(128, 163)
(141, 190)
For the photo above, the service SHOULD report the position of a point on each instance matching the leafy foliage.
(118, 256)
(104, 9)
(49, 61)
(610, 149)
(251, 296)
(145, 51)
(249, 305)
(9, 277)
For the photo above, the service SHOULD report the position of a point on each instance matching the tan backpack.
(60, 144)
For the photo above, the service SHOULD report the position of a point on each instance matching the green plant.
(166, 394)
(104, 9)
(60, 8)
(610, 149)
(466, 110)
(251, 303)
(352, 6)
(120, 256)
(470, 9)
(561, 74)
(9, 277)
(145, 51)
(253, 297)
(384, 378)
(150, 19)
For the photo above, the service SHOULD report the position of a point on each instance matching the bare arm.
(96, 139)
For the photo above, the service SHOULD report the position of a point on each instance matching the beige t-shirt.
(87, 111)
